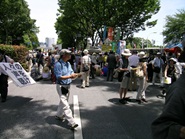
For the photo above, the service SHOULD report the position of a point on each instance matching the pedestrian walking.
(64, 75)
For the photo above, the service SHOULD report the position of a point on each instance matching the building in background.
(50, 42)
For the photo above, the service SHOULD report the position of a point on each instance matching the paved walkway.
(29, 112)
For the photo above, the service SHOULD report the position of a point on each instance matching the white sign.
(17, 73)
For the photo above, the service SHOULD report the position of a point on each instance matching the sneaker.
(139, 101)
(144, 100)
(73, 126)
(60, 118)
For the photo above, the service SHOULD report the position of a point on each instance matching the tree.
(174, 27)
(88, 17)
(15, 21)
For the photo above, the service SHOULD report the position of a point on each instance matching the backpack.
(85, 68)
(122, 73)
(139, 72)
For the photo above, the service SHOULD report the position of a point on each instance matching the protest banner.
(17, 73)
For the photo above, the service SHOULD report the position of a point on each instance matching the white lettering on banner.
(17, 73)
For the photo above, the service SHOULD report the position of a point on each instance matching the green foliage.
(18, 53)
(88, 17)
(15, 21)
(174, 27)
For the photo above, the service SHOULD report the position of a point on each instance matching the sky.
(44, 11)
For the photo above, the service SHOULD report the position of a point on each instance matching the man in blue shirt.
(64, 75)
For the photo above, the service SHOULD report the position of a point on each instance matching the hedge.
(17, 53)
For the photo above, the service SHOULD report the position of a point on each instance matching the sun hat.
(141, 54)
(158, 53)
(65, 51)
(94, 53)
(85, 51)
(173, 59)
(126, 52)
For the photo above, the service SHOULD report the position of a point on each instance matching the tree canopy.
(174, 27)
(79, 19)
(16, 24)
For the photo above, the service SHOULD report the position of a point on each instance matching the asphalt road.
(29, 112)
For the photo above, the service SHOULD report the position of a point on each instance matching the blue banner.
(104, 33)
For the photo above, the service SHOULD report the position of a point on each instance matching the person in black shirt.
(4, 76)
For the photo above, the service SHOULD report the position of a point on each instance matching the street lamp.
(148, 36)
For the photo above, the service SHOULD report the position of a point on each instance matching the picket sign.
(17, 73)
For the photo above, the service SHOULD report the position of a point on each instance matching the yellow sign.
(106, 48)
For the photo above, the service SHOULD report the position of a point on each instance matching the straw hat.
(126, 52)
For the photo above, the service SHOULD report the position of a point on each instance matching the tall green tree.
(87, 17)
(15, 21)
(175, 27)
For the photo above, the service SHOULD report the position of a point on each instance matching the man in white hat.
(85, 62)
(64, 75)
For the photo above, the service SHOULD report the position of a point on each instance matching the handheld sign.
(17, 73)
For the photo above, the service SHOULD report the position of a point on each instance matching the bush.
(17, 53)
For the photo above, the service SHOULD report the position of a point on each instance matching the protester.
(4, 76)
(111, 60)
(105, 70)
(150, 66)
(171, 123)
(142, 78)
(124, 67)
(29, 63)
(40, 60)
(100, 60)
(85, 63)
(93, 63)
(157, 64)
(64, 75)
(133, 62)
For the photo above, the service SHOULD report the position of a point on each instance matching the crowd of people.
(157, 67)
(134, 70)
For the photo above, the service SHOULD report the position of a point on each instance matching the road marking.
(78, 132)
